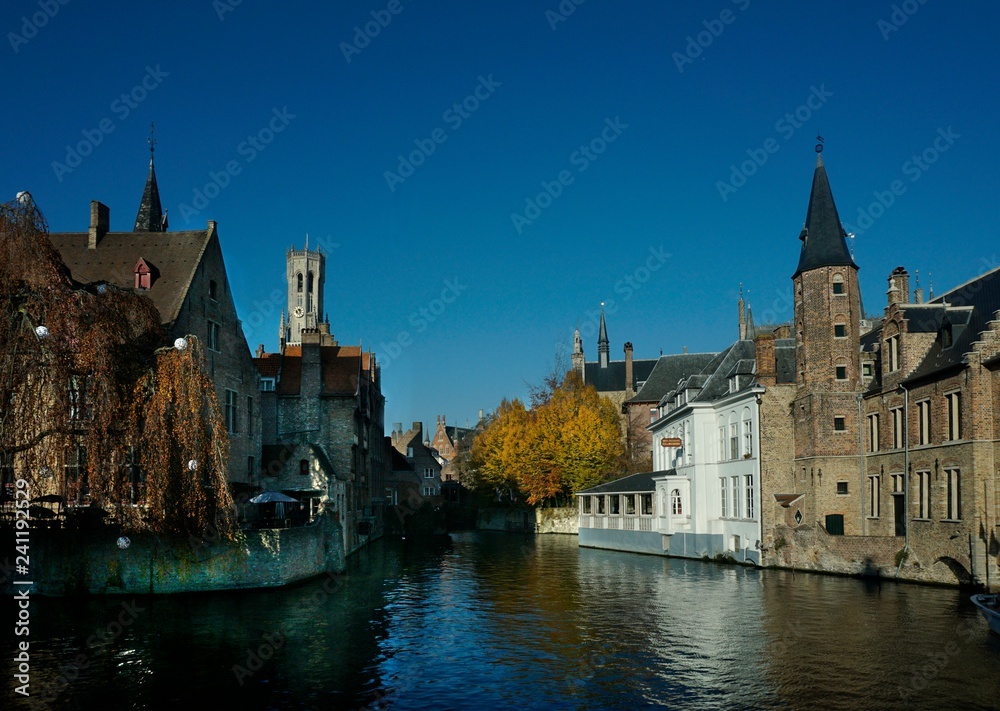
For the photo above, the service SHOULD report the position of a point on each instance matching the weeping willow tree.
(91, 407)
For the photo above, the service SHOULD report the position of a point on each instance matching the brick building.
(887, 459)
(424, 459)
(184, 275)
(322, 412)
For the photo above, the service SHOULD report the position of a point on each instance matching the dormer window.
(946, 336)
(144, 274)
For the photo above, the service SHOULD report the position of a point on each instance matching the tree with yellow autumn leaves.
(568, 440)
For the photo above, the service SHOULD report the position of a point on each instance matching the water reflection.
(483, 621)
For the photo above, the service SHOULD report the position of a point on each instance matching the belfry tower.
(305, 272)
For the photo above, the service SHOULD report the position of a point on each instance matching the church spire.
(824, 242)
(151, 217)
(603, 345)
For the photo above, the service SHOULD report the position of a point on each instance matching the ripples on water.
(484, 621)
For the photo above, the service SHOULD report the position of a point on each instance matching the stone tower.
(577, 357)
(828, 316)
(603, 345)
(305, 271)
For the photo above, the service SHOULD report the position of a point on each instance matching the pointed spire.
(751, 330)
(741, 308)
(824, 241)
(151, 217)
(603, 345)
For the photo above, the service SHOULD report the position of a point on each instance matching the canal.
(497, 621)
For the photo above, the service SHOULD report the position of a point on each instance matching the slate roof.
(983, 295)
(824, 242)
(175, 255)
(150, 217)
(638, 483)
(667, 370)
(612, 378)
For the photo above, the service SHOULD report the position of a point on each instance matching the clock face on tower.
(298, 311)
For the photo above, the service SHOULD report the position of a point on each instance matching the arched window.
(309, 283)
(299, 280)
(676, 507)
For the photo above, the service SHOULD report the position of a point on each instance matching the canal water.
(500, 621)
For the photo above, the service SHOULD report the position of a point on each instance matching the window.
(298, 283)
(734, 489)
(212, 290)
(230, 412)
(954, 415)
(630, 504)
(874, 497)
(251, 462)
(839, 423)
(724, 484)
(839, 330)
(409, 452)
(924, 494)
(841, 372)
(267, 385)
(892, 346)
(842, 488)
(748, 483)
(585, 504)
(734, 441)
(430, 491)
(897, 427)
(924, 422)
(835, 524)
(647, 504)
(873, 433)
(838, 284)
(309, 283)
(722, 443)
(213, 336)
(954, 483)
(747, 437)
(79, 398)
(866, 370)
(897, 483)
(304, 467)
(428, 473)
(75, 470)
(7, 474)
(249, 416)
(652, 415)
(676, 506)
(600, 504)
(614, 504)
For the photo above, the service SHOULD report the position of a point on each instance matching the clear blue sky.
(880, 95)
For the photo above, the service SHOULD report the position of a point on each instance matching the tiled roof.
(341, 368)
(269, 366)
(612, 378)
(175, 255)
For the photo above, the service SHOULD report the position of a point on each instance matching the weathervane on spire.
(151, 140)
(819, 146)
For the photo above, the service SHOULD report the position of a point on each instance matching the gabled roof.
(175, 255)
(341, 369)
(667, 371)
(269, 366)
(824, 242)
(983, 295)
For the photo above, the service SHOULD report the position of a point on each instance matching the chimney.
(311, 383)
(766, 366)
(100, 220)
(899, 287)
(418, 428)
(629, 383)
(260, 351)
